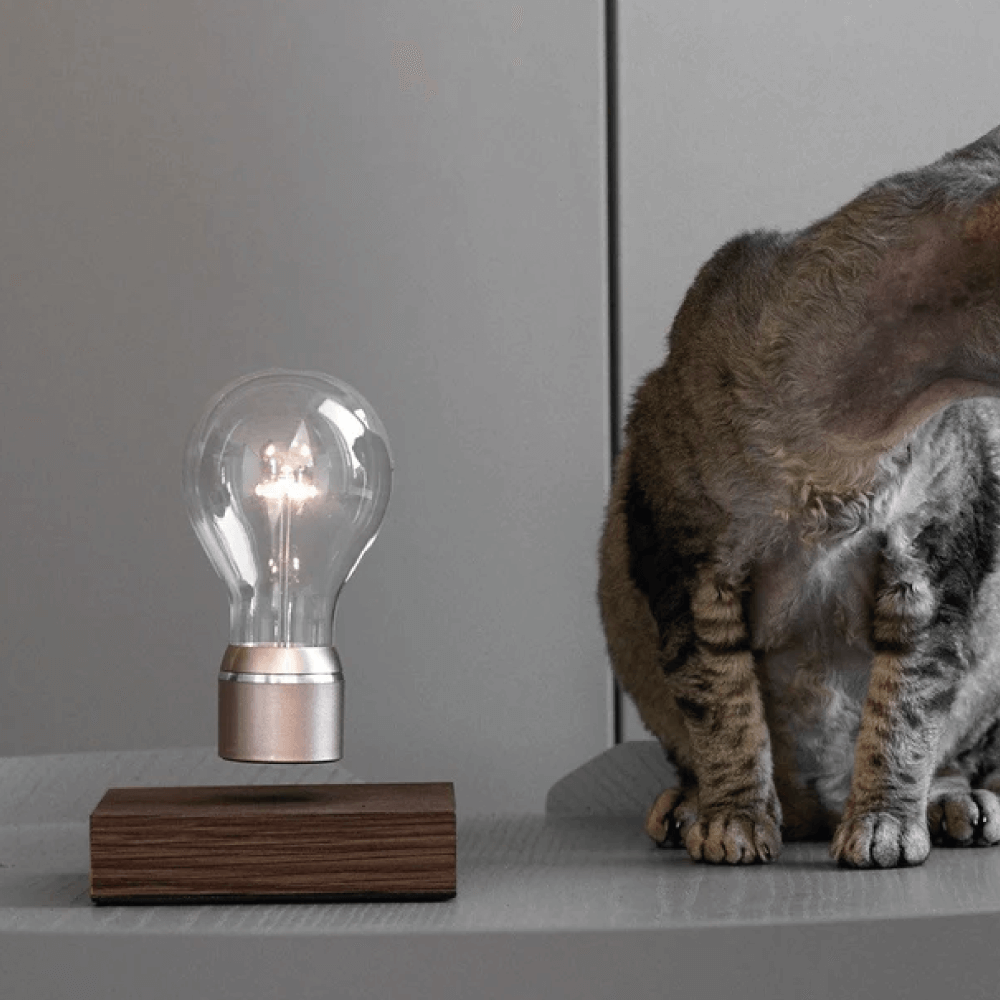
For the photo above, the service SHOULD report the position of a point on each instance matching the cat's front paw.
(735, 837)
(965, 818)
(881, 840)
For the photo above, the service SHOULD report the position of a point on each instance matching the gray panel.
(190, 192)
(772, 114)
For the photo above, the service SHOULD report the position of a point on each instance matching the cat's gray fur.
(799, 572)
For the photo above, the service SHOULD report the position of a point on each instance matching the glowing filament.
(288, 482)
(286, 487)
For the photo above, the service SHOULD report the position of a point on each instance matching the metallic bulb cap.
(281, 704)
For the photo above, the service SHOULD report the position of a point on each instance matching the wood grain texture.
(276, 842)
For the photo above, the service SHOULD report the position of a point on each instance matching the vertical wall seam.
(614, 326)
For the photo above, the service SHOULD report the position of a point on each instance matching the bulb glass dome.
(286, 480)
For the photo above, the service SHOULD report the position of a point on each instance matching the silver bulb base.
(281, 704)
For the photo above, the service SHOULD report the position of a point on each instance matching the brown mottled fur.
(797, 574)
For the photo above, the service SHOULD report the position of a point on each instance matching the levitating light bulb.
(286, 480)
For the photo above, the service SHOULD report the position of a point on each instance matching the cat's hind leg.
(959, 815)
(672, 815)
(678, 638)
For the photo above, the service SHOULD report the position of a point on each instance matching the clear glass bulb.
(286, 480)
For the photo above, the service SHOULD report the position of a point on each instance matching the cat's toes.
(719, 837)
(671, 816)
(734, 838)
(881, 840)
(965, 819)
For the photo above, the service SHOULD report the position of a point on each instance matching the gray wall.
(193, 191)
(773, 113)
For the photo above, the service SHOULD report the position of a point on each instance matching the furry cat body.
(799, 573)
(812, 608)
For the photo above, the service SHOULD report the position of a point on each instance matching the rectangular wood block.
(255, 843)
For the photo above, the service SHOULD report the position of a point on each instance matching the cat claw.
(734, 838)
(965, 819)
(671, 816)
(881, 840)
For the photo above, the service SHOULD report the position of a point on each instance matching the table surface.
(585, 865)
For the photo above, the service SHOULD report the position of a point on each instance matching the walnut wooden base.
(256, 843)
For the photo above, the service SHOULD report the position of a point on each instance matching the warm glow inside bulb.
(286, 488)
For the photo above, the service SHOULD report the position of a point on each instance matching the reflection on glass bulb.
(286, 479)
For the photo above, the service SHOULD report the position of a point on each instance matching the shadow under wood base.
(271, 843)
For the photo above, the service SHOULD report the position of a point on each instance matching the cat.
(799, 578)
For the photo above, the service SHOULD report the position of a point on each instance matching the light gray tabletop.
(575, 902)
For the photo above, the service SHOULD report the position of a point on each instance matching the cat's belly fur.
(810, 618)
(810, 625)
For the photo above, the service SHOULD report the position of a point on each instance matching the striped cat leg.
(917, 669)
(930, 579)
(716, 690)
(885, 821)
